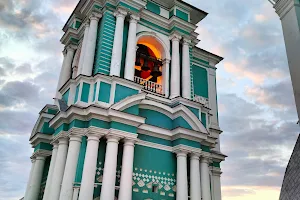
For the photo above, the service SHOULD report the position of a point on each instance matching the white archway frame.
(165, 56)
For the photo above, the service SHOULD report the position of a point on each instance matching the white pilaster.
(89, 168)
(131, 48)
(212, 93)
(166, 77)
(61, 74)
(70, 169)
(186, 69)
(127, 167)
(115, 67)
(59, 168)
(75, 193)
(110, 167)
(216, 184)
(83, 48)
(205, 182)
(29, 179)
(50, 173)
(67, 69)
(175, 71)
(36, 178)
(182, 184)
(195, 187)
(88, 61)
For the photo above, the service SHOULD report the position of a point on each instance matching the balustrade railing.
(149, 85)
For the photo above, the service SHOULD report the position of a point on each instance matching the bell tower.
(135, 114)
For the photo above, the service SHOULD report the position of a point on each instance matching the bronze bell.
(155, 72)
(145, 67)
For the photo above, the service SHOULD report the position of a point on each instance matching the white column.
(67, 68)
(195, 187)
(186, 69)
(216, 179)
(58, 95)
(205, 182)
(89, 168)
(50, 173)
(36, 178)
(83, 48)
(131, 48)
(115, 67)
(212, 96)
(70, 169)
(175, 68)
(59, 167)
(182, 184)
(166, 77)
(75, 193)
(89, 54)
(127, 167)
(110, 167)
(29, 179)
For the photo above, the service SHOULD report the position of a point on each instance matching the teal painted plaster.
(124, 48)
(200, 81)
(52, 111)
(99, 123)
(182, 15)
(203, 119)
(123, 127)
(205, 148)
(94, 92)
(63, 127)
(104, 92)
(43, 146)
(155, 118)
(194, 110)
(80, 163)
(180, 122)
(65, 96)
(155, 25)
(76, 93)
(171, 13)
(200, 61)
(153, 7)
(134, 110)
(122, 92)
(46, 129)
(78, 124)
(77, 24)
(153, 162)
(186, 142)
(105, 40)
(156, 140)
(122, 4)
(85, 92)
(179, 30)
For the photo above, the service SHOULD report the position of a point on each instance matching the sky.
(256, 104)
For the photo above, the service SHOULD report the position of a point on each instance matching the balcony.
(149, 85)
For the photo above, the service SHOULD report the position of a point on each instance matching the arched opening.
(149, 64)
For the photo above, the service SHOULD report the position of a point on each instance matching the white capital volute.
(186, 41)
(120, 13)
(87, 23)
(134, 18)
(70, 48)
(95, 16)
(166, 61)
(175, 37)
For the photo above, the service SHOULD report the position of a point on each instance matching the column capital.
(134, 18)
(87, 24)
(93, 137)
(71, 48)
(216, 172)
(55, 145)
(120, 13)
(40, 157)
(175, 36)
(195, 156)
(113, 138)
(77, 138)
(63, 140)
(95, 16)
(181, 153)
(166, 61)
(204, 160)
(32, 160)
(129, 142)
(64, 52)
(187, 41)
